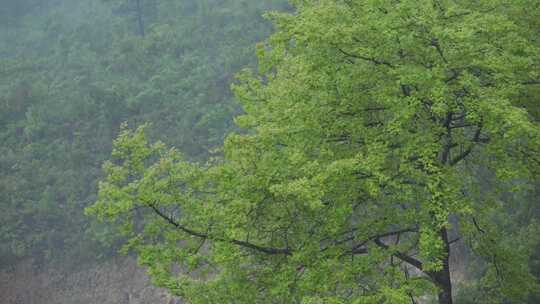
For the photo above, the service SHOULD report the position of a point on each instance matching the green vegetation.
(378, 142)
(72, 71)
(378, 135)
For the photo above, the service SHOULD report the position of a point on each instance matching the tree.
(139, 10)
(378, 134)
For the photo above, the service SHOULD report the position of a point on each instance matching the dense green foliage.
(72, 71)
(379, 134)
(380, 142)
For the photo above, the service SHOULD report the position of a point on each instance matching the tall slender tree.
(140, 12)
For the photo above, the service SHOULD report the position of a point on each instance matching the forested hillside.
(72, 71)
(331, 152)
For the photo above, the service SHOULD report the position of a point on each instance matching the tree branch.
(400, 255)
(435, 43)
(531, 82)
(267, 250)
(357, 249)
(464, 154)
(370, 59)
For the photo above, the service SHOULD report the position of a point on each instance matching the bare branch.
(400, 255)
(464, 154)
(365, 58)
(358, 248)
(267, 250)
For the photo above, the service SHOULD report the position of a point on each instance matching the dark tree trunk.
(442, 277)
(140, 20)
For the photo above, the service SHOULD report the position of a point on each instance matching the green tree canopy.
(377, 135)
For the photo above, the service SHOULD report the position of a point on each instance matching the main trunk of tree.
(443, 276)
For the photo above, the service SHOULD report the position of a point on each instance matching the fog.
(342, 107)
(72, 71)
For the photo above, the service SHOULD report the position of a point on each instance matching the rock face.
(118, 281)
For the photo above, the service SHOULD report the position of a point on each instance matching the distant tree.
(139, 10)
(378, 134)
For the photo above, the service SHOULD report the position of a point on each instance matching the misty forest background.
(71, 72)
